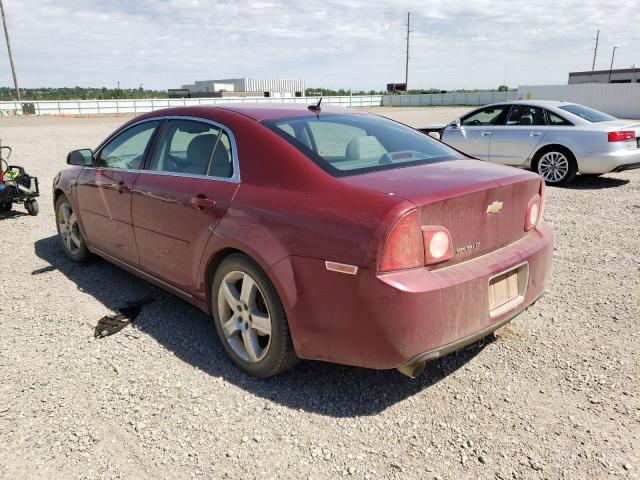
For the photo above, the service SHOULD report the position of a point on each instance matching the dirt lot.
(556, 394)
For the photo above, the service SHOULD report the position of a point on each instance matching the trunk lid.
(457, 195)
(613, 125)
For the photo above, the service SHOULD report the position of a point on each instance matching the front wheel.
(249, 318)
(556, 166)
(32, 207)
(69, 235)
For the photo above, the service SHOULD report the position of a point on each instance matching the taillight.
(410, 245)
(621, 135)
(438, 245)
(404, 247)
(533, 212)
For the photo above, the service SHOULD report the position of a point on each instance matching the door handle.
(123, 188)
(486, 132)
(535, 134)
(203, 202)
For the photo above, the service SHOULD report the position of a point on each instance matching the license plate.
(507, 289)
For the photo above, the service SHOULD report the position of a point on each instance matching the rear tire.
(250, 319)
(556, 165)
(6, 206)
(69, 235)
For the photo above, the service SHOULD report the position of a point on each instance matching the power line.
(13, 67)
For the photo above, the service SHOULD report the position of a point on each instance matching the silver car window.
(487, 116)
(556, 120)
(523, 115)
(587, 113)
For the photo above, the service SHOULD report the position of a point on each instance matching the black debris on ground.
(38, 271)
(111, 324)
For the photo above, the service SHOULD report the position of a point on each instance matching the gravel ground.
(555, 394)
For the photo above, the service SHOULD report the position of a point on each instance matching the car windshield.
(353, 144)
(587, 113)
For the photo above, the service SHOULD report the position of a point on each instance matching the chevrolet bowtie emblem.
(494, 208)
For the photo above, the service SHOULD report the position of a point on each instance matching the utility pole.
(406, 70)
(595, 52)
(613, 54)
(13, 67)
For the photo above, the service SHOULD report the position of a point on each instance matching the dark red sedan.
(321, 234)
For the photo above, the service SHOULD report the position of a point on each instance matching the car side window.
(486, 116)
(192, 147)
(555, 119)
(127, 149)
(524, 115)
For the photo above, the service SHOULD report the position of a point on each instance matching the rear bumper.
(463, 342)
(628, 166)
(384, 321)
(615, 161)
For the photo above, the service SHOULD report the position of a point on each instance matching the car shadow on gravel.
(592, 182)
(318, 387)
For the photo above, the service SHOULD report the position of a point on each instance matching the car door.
(181, 196)
(104, 191)
(513, 142)
(472, 134)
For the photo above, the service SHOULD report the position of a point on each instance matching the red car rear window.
(354, 144)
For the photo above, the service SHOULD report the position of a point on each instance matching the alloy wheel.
(553, 167)
(68, 228)
(244, 316)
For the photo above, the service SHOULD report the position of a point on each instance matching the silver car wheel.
(244, 316)
(553, 167)
(68, 228)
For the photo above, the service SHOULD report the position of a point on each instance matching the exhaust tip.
(413, 370)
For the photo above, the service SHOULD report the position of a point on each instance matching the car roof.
(544, 103)
(534, 103)
(537, 103)
(269, 111)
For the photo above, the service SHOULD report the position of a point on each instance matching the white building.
(245, 87)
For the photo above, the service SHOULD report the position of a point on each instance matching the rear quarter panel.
(580, 142)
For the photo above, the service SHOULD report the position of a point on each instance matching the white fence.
(455, 98)
(618, 99)
(111, 107)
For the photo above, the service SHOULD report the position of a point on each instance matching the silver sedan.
(555, 139)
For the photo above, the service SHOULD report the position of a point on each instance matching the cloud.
(333, 43)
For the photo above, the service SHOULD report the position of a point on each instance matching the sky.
(358, 44)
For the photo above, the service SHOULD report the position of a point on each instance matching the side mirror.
(82, 158)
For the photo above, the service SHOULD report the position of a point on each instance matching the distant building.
(622, 75)
(240, 87)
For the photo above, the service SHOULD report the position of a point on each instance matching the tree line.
(79, 93)
(310, 92)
